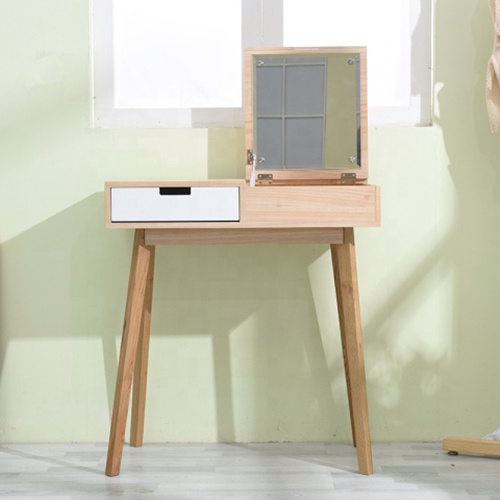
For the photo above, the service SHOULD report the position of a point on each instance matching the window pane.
(177, 54)
(154, 62)
(340, 23)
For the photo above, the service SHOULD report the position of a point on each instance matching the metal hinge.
(348, 178)
(250, 156)
(265, 179)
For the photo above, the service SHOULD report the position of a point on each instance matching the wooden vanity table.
(278, 202)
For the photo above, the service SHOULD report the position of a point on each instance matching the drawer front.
(175, 204)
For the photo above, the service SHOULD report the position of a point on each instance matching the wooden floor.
(403, 471)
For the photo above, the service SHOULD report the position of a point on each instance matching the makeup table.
(232, 212)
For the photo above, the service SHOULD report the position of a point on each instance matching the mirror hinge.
(250, 157)
(349, 178)
(265, 179)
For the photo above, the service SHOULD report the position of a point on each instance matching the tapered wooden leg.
(141, 363)
(141, 257)
(347, 377)
(346, 285)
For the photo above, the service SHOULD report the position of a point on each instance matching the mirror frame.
(306, 176)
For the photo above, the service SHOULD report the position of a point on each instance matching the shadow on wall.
(473, 153)
(58, 280)
(65, 280)
(446, 383)
(275, 367)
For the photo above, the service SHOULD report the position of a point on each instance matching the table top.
(289, 209)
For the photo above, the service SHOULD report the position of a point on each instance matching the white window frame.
(264, 30)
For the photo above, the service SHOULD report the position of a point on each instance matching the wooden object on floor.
(137, 330)
(476, 446)
(141, 360)
(142, 257)
(285, 214)
(346, 286)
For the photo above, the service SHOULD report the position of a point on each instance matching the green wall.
(245, 342)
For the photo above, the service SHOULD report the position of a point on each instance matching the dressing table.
(306, 182)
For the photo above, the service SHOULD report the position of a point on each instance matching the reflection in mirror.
(306, 111)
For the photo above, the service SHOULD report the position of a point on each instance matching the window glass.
(398, 37)
(178, 63)
(158, 63)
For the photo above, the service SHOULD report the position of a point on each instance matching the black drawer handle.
(175, 191)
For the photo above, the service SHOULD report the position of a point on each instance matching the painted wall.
(245, 339)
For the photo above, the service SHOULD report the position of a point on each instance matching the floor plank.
(291, 471)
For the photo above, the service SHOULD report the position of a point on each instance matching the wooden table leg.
(346, 285)
(141, 363)
(139, 270)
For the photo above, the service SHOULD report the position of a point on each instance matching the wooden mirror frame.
(305, 176)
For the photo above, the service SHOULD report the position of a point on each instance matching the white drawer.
(175, 204)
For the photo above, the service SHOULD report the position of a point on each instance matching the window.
(398, 37)
(178, 63)
(159, 64)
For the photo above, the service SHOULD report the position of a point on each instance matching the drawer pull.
(175, 191)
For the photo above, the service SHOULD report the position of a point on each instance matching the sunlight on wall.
(181, 393)
(428, 277)
(57, 385)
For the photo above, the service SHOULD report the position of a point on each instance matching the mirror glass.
(307, 111)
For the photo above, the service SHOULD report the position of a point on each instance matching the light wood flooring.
(403, 471)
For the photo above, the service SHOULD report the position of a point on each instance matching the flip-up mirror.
(305, 115)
